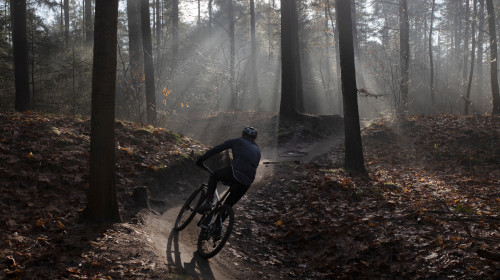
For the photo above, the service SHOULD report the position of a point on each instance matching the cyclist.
(240, 174)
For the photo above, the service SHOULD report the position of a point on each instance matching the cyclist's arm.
(217, 149)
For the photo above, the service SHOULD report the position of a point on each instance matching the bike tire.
(188, 210)
(207, 235)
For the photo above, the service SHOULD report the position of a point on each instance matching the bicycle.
(216, 224)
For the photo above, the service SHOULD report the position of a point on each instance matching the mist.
(198, 81)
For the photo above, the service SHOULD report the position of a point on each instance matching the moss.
(175, 136)
(390, 185)
(464, 209)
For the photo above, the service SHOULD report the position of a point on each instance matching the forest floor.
(429, 208)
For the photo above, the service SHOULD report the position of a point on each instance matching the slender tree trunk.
(102, 205)
(232, 81)
(198, 21)
(431, 60)
(255, 81)
(493, 61)
(354, 159)
(337, 63)
(158, 24)
(20, 47)
(147, 51)
(175, 30)
(480, 46)
(32, 61)
(472, 59)
(328, 75)
(404, 46)
(458, 25)
(89, 30)
(66, 22)
(297, 61)
(210, 16)
(269, 34)
(466, 39)
(357, 52)
(62, 20)
(136, 59)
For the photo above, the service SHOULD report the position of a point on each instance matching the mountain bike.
(216, 224)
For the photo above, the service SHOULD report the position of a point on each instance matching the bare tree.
(89, 29)
(472, 59)
(147, 51)
(431, 59)
(254, 77)
(354, 159)
(175, 29)
(20, 47)
(404, 52)
(66, 22)
(102, 205)
(289, 83)
(135, 58)
(232, 80)
(493, 51)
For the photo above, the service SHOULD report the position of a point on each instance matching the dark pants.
(226, 175)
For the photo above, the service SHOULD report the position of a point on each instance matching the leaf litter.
(44, 177)
(429, 208)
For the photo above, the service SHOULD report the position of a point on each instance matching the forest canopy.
(212, 56)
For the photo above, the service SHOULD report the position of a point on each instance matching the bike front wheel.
(213, 237)
(188, 210)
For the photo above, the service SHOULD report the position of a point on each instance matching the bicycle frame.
(217, 204)
(215, 224)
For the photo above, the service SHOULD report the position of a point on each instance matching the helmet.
(250, 132)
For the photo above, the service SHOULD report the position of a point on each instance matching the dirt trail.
(178, 248)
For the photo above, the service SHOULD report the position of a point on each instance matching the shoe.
(205, 206)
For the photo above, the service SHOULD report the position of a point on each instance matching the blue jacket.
(246, 157)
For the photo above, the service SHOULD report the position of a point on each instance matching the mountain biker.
(240, 174)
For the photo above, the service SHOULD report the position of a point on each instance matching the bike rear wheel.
(213, 238)
(188, 210)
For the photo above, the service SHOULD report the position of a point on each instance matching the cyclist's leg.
(224, 174)
(238, 190)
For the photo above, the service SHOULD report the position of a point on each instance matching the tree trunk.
(480, 46)
(353, 148)
(20, 48)
(147, 50)
(466, 39)
(288, 103)
(404, 50)
(493, 62)
(232, 80)
(66, 22)
(472, 59)
(255, 81)
(89, 30)
(327, 79)
(357, 53)
(210, 16)
(136, 59)
(198, 21)
(431, 61)
(175, 30)
(158, 24)
(297, 61)
(102, 205)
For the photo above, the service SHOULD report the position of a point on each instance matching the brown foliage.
(431, 202)
(43, 181)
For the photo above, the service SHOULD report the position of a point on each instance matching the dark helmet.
(250, 132)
